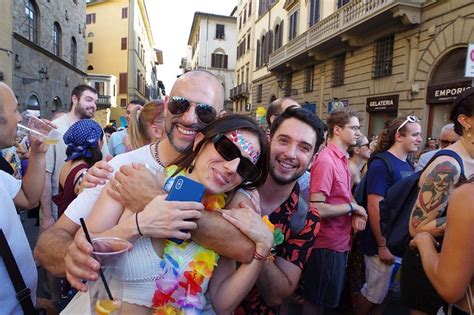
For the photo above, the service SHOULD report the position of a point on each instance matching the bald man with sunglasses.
(194, 101)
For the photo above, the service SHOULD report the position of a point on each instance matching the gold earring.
(468, 131)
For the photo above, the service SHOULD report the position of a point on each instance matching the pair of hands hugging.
(140, 191)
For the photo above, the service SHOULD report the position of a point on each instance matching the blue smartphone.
(185, 189)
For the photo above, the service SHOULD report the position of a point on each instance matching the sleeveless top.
(66, 194)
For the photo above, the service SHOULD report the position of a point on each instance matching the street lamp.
(43, 74)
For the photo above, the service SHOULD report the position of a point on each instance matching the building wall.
(141, 41)
(29, 58)
(245, 64)
(445, 26)
(109, 57)
(204, 32)
(6, 54)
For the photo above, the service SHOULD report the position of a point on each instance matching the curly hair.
(386, 137)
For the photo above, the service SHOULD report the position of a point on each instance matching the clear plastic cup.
(111, 253)
(33, 127)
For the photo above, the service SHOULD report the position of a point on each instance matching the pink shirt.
(330, 175)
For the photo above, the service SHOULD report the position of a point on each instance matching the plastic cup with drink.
(106, 293)
(33, 127)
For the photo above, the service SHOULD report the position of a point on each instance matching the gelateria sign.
(382, 103)
(446, 93)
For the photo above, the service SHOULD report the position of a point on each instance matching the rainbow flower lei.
(182, 293)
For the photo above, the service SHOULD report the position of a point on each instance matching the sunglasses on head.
(178, 105)
(411, 119)
(229, 151)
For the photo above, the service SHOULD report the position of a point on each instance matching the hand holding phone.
(185, 189)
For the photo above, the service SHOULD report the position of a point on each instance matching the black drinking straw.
(86, 232)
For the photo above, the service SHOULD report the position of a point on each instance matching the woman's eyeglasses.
(178, 105)
(411, 119)
(229, 151)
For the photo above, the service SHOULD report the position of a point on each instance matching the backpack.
(360, 194)
(396, 207)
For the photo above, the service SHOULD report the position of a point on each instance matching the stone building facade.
(212, 42)
(383, 58)
(47, 52)
(241, 92)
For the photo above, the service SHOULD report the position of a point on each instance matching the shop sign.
(469, 71)
(382, 103)
(446, 92)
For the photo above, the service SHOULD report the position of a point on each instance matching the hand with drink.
(106, 292)
(38, 129)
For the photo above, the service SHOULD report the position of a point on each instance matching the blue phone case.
(185, 189)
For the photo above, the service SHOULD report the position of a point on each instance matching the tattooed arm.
(436, 184)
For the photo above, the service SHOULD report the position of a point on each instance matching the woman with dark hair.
(230, 153)
(84, 142)
(452, 270)
(436, 185)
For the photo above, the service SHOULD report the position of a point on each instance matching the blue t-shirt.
(378, 182)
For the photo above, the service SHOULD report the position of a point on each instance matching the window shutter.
(257, 61)
(123, 85)
(270, 43)
(225, 62)
(280, 40)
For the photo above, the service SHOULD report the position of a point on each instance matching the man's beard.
(285, 181)
(82, 113)
(169, 133)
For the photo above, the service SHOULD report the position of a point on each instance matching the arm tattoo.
(435, 191)
(417, 216)
(440, 221)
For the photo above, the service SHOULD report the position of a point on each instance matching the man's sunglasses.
(178, 105)
(229, 151)
(411, 119)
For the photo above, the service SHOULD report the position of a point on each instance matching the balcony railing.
(239, 91)
(350, 15)
(103, 101)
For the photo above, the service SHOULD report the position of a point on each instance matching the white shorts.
(377, 279)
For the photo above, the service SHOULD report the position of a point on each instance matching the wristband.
(138, 227)
(381, 246)
(351, 208)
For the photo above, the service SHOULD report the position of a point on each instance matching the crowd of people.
(299, 212)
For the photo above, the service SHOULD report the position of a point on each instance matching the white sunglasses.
(411, 119)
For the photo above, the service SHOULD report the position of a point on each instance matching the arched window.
(33, 102)
(219, 59)
(31, 21)
(57, 34)
(90, 67)
(90, 35)
(57, 104)
(73, 52)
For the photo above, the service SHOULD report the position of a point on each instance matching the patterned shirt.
(295, 249)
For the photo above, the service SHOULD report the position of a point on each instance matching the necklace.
(157, 156)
